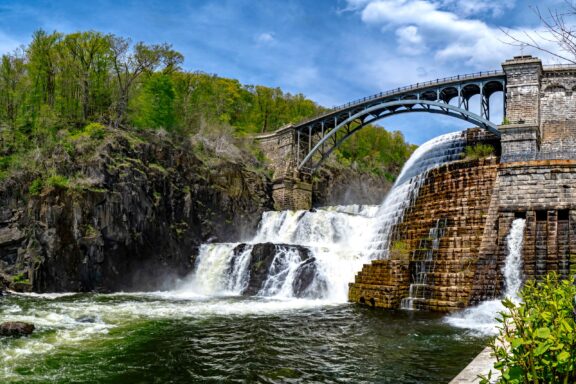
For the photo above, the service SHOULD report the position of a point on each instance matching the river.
(170, 338)
(206, 329)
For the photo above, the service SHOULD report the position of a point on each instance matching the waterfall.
(311, 254)
(482, 318)
(438, 151)
(512, 270)
(316, 254)
(423, 265)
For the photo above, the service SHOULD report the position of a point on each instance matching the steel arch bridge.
(317, 138)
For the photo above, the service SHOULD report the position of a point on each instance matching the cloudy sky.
(333, 51)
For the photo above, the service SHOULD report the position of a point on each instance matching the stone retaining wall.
(459, 194)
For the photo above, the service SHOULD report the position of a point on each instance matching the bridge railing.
(407, 88)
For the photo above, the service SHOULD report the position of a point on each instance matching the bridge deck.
(403, 91)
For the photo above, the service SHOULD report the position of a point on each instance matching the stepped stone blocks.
(381, 283)
(460, 194)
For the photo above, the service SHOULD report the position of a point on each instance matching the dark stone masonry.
(534, 178)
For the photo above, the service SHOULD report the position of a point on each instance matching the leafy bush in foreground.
(537, 338)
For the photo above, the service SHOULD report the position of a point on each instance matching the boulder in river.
(262, 257)
(16, 328)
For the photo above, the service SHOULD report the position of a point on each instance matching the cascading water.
(424, 265)
(206, 337)
(482, 317)
(326, 247)
(513, 266)
(438, 151)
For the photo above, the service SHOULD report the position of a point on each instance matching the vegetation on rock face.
(537, 338)
(63, 91)
(478, 151)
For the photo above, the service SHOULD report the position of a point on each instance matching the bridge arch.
(385, 109)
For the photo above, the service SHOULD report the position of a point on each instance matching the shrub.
(399, 250)
(36, 187)
(95, 130)
(478, 151)
(58, 181)
(537, 338)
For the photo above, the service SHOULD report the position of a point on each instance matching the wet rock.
(10, 235)
(86, 319)
(261, 259)
(141, 210)
(16, 329)
(307, 282)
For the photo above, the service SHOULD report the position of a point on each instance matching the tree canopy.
(60, 83)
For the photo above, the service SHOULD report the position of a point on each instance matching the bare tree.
(558, 29)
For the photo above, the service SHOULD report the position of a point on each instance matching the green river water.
(174, 338)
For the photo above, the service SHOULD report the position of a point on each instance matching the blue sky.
(333, 51)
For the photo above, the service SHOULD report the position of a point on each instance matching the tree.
(558, 30)
(86, 50)
(12, 89)
(156, 103)
(42, 66)
(129, 65)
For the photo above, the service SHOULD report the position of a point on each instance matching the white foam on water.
(335, 236)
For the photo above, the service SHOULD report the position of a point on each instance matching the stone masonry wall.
(558, 111)
(459, 194)
(544, 193)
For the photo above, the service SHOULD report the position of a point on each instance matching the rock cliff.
(126, 214)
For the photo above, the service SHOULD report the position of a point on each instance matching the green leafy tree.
(129, 65)
(155, 104)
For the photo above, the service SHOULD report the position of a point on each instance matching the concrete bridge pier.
(292, 193)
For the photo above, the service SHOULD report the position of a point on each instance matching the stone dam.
(448, 249)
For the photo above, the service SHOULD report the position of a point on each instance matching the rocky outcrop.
(262, 258)
(16, 329)
(132, 213)
(336, 185)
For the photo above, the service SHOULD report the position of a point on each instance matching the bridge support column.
(290, 189)
(521, 126)
(292, 193)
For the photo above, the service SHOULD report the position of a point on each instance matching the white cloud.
(409, 40)
(475, 7)
(424, 25)
(265, 38)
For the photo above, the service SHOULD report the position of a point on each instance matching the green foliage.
(399, 250)
(375, 150)
(62, 93)
(95, 131)
(57, 181)
(505, 121)
(21, 278)
(155, 105)
(537, 338)
(478, 151)
(36, 187)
